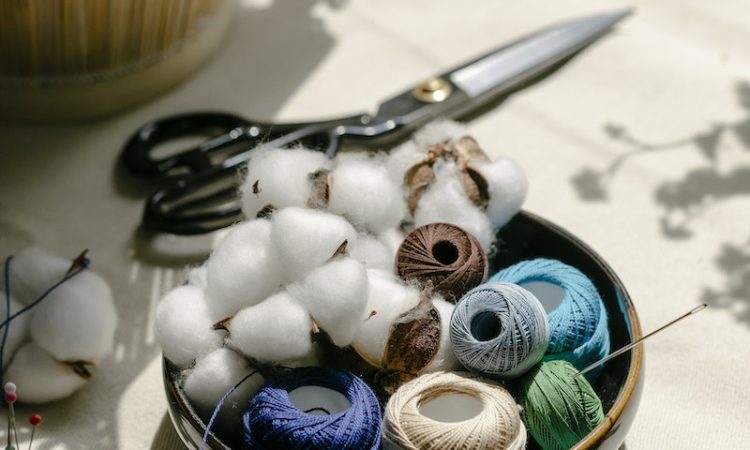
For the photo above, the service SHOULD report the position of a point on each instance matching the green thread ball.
(559, 407)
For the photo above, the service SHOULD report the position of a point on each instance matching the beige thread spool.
(81, 58)
(496, 426)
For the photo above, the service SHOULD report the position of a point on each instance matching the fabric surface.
(640, 146)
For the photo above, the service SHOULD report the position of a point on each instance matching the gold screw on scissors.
(434, 90)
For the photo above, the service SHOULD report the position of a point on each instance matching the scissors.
(200, 194)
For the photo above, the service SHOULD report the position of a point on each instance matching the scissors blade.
(530, 56)
(500, 72)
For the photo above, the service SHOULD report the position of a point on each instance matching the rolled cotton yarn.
(272, 421)
(497, 426)
(578, 327)
(559, 406)
(499, 329)
(444, 255)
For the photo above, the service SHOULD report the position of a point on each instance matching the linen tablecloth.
(640, 146)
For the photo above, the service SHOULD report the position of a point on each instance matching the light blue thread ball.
(272, 422)
(578, 326)
(499, 330)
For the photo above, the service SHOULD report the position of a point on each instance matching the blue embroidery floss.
(578, 326)
(499, 330)
(273, 422)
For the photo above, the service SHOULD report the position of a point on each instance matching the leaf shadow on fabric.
(687, 198)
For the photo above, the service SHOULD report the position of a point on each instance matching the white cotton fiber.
(77, 320)
(197, 276)
(446, 201)
(362, 191)
(33, 271)
(243, 269)
(388, 297)
(371, 252)
(184, 326)
(39, 377)
(507, 188)
(213, 375)
(274, 330)
(279, 177)
(402, 158)
(335, 294)
(18, 331)
(392, 240)
(307, 238)
(445, 360)
(439, 131)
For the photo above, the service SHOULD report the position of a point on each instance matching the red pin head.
(35, 419)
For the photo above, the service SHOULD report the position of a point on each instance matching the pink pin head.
(10, 397)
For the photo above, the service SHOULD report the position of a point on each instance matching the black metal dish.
(526, 236)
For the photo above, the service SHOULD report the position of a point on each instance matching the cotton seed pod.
(18, 330)
(213, 375)
(413, 343)
(40, 378)
(335, 294)
(275, 330)
(243, 269)
(33, 271)
(306, 238)
(77, 320)
(464, 152)
(279, 177)
(184, 326)
(388, 297)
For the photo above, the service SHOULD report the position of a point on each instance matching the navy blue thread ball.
(272, 422)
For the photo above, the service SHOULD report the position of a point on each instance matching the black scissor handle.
(207, 200)
(137, 153)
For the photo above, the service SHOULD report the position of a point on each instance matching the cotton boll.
(388, 297)
(197, 276)
(77, 320)
(446, 201)
(310, 359)
(362, 192)
(392, 240)
(39, 377)
(33, 271)
(213, 375)
(402, 158)
(243, 269)
(274, 330)
(507, 188)
(184, 326)
(18, 330)
(372, 253)
(335, 294)
(445, 359)
(281, 176)
(307, 238)
(439, 131)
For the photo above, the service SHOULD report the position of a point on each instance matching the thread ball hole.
(485, 326)
(445, 252)
(318, 401)
(549, 295)
(453, 407)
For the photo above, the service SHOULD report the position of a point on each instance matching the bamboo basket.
(74, 59)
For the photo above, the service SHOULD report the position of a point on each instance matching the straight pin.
(619, 352)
